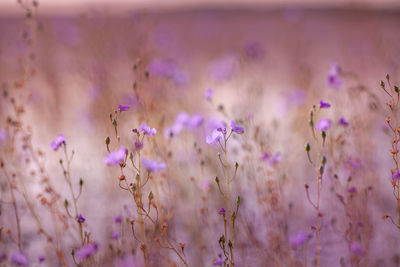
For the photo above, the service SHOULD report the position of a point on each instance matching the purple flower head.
(19, 258)
(237, 129)
(115, 235)
(194, 121)
(395, 176)
(87, 251)
(60, 139)
(352, 189)
(299, 239)
(218, 262)
(356, 248)
(118, 219)
(221, 211)
(208, 94)
(153, 166)
(80, 219)
(342, 121)
(138, 145)
(334, 80)
(115, 157)
(323, 125)
(215, 137)
(147, 130)
(41, 258)
(123, 108)
(323, 104)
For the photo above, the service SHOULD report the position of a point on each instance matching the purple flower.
(271, 159)
(60, 139)
(334, 80)
(118, 219)
(323, 125)
(299, 239)
(208, 94)
(115, 157)
(41, 258)
(342, 121)
(87, 251)
(221, 211)
(323, 104)
(123, 108)
(218, 262)
(395, 176)
(352, 189)
(215, 137)
(147, 130)
(138, 145)
(153, 166)
(237, 129)
(194, 121)
(115, 235)
(80, 219)
(356, 248)
(19, 258)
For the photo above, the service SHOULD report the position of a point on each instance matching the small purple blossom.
(194, 121)
(118, 219)
(323, 104)
(352, 189)
(138, 145)
(342, 121)
(218, 262)
(123, 108)
(299, 239)
(323, 124)
(41, 258)
(356, 248)
(80, 219)
(237, 129)
(87, 251)
(115, 157)
(153, 166)
(334, 80)
(395, 176)
(19, 258)
(115, 235)
(215, 137)
(147, 130)
(60, 140)
(208, 94)
(221, 211)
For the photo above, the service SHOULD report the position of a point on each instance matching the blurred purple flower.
(87, 251)
(323, 104)
(323, 124)
(271, 159)
(168, 69)
(215, 124)
(195, 121)
(118, 219)
(3, 136)
(299, 239)
(295, 97)
(115, 157)
(138, 145)
(395, 176)
(3, 256)
(356, 248)
(147, 130)
(19, 258)
(208, 94)
(218, 262)
(237, 129)
(115, 235)
(352, 189)
(123, 108)
(215, 137)
(221, 211)
(153, 166)
(223, 68)
(60, 139)
(334, 80)
(41, 258)
(342, 121)
(80, 219)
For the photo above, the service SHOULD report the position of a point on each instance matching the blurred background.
(268, 63)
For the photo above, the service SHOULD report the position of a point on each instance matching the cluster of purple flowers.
(115, 157)
(183, 121)
(218, 134)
